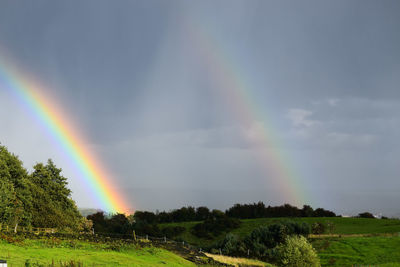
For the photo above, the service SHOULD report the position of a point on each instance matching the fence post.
(134, 235)
(220, 253)
(183, 243)
(147, 237)
(92, 231)
(165, 239)
(248, 252)
(200, 250)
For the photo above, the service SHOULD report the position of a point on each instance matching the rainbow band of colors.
(32, 96)
(230, 79)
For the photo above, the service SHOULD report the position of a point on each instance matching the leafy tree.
(366, 215)
(215, 225)
(145, 217)
(296, 251)
(13, 173)
(99, 222)
(202, 213)
(7, 200)
(52, 204)
(232, 245)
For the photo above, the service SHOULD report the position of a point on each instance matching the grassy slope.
(342, 226)
(89, 254)
(359, 251)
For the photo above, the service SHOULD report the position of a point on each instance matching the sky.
(216, 102)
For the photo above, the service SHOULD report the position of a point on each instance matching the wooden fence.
(9, 229)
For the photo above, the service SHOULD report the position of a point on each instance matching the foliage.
(13, 173)
(172, 231)
(7, 201)
(296, 251)
(214, 226)
(52, 205)
(117, 224)
(39, 199)
(232, 245)
(367, 215)
(318, 228)
(258, 210)
(261, 240)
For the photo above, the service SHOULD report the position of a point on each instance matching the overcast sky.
(140, 78)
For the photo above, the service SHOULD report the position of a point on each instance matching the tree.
(52, 205)
(202, 213)
(296, 251)
(366, 215)
(14, 178)
(7, 200)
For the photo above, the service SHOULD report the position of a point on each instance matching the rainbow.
(230, 79)
(37, 101)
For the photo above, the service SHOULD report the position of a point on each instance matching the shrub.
(232, 245)
(296, 251)
(173, 231)
(366, 215)
(262, 240)
(318, 228)
(215, 226)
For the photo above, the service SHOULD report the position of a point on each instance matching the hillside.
(66, 253)
(343, 226)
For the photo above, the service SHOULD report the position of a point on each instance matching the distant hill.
(87, 211)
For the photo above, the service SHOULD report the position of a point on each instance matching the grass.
(44, 253)
(341, 226)
(359, 251)
(238, 261)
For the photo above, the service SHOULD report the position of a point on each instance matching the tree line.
(239, 211)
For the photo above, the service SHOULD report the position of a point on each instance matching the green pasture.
(47, 252)
(359, 251)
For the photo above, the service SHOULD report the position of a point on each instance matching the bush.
(366, 215)
(173, 231)
(215, 226)
(232, 245)
(318, 228)
(262, 240)
(296, 251)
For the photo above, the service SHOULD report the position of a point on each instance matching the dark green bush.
(172, 231)
(215, 226)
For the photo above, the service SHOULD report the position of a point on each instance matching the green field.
(46, 252)
(374, 250)
(365, 251)
(341, 226)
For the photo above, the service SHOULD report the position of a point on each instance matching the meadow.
(366, 251)
(52, 252)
